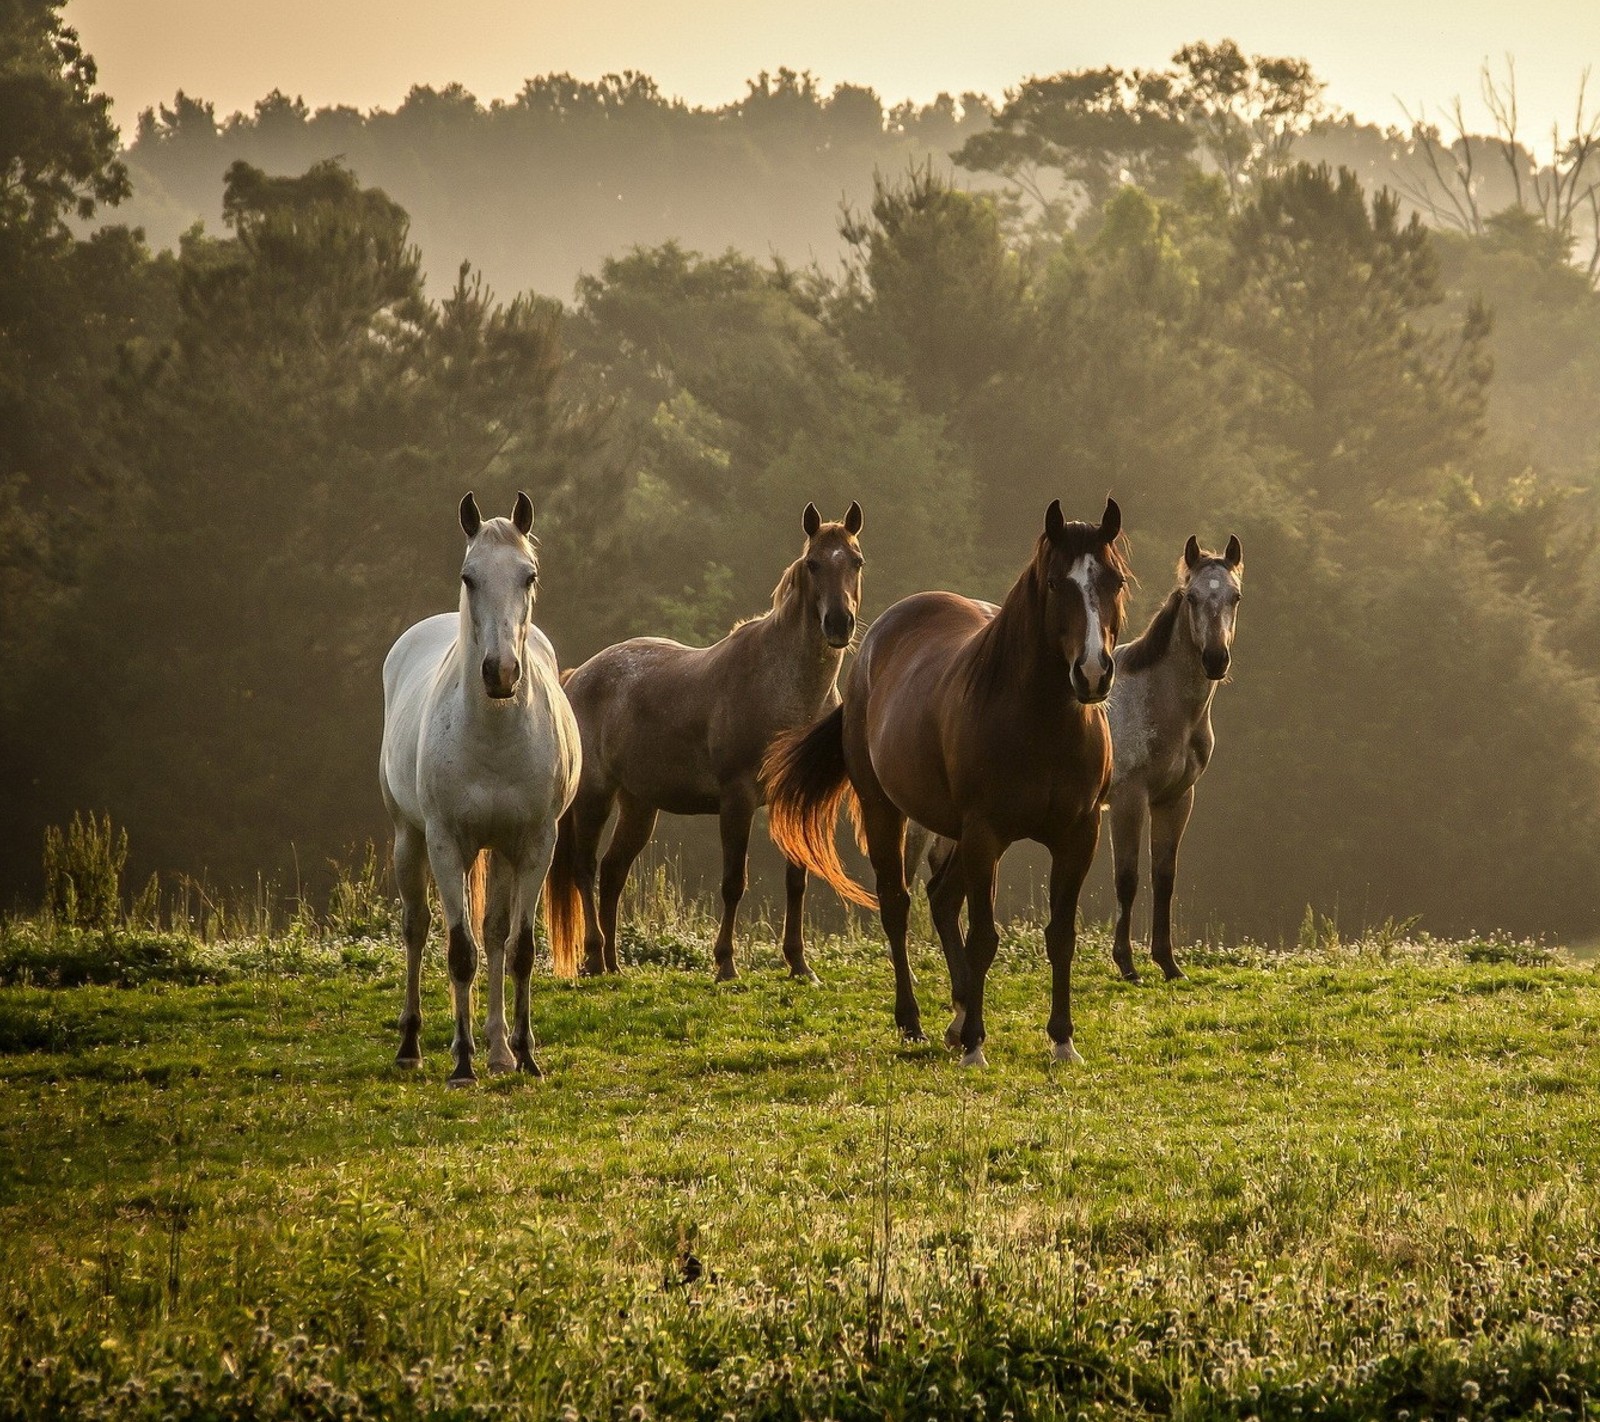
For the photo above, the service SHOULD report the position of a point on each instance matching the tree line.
(227, 470)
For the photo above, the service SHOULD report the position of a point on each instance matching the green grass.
(1347, 1181)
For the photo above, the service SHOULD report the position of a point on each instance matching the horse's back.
(895, 700)
(643, 713)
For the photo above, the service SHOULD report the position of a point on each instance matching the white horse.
(480, 752)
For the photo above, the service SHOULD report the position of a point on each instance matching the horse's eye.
(1054, 584)
(532, 579)
(467, 579)
(811, 565)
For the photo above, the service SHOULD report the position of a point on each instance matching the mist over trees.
(227, 470)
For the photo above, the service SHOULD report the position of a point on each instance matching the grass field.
(1347, 1180)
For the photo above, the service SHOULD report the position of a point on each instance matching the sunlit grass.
(1342, 1180)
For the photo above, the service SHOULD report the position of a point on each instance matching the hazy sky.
(368, 52)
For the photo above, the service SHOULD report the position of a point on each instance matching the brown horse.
(987, 729)
(684, 729)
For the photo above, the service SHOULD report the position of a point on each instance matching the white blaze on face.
(1093, 640)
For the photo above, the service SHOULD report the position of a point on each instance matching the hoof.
(499, 1066)
(1172, 972)
(913, 1034)
(803, 974)
(1130, 975)
(408, 1063)
(1066, 1052)
(528, 1067)
(458, 1083)
(725, 973)
(952, 1033)
(974, 1058)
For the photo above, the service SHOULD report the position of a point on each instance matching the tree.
(296, 449)
(1329, 298)
(932, 295)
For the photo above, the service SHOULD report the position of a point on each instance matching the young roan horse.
(1161, 740)
(684, 729)
(987, 729)
(480, 752)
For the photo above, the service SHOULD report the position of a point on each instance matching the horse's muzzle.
(500, 677)
(1092, 691)
(1215, 663)
(838, 628)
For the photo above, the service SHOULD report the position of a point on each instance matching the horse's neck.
(1013, 635)
(794, 648)
(479, 714)
(1189, 689)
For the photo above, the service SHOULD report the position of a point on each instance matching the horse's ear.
(853, 519)
(1191, 553)
(471, 519)
(1055, 524)
(1110, 522)
(811, 520)
(522, 514)
(1234, 557)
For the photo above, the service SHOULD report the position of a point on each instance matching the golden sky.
(1373, 55)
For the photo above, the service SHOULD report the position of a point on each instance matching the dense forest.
(230, 451)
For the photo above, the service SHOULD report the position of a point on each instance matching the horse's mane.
(1011, 640)
(1153, 644)
(780, 594)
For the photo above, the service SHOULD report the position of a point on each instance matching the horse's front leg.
(411, 873)
(737, 810)
(794, 943)
(525, 902)
(498, 927)
(1128, 822)
(1167, 823)
(1069, 866)
(449, 867)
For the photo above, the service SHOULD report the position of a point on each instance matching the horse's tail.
(806, 780)
(563, 905)
(478, 894)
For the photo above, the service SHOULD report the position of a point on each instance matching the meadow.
(1326, 1179)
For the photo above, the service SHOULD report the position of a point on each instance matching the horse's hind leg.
(1127, 843)
(737, 810)
(525, 901)
(946, 894)
(589, 814)
(499, 916)
(411, 874)
(1167, 823)
(885, 830)
(794, 943)
(636, 822)
(449, 877)
(977, 859)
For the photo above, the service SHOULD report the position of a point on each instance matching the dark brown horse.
(684, 729)
(1161, 740)
(985, 727)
